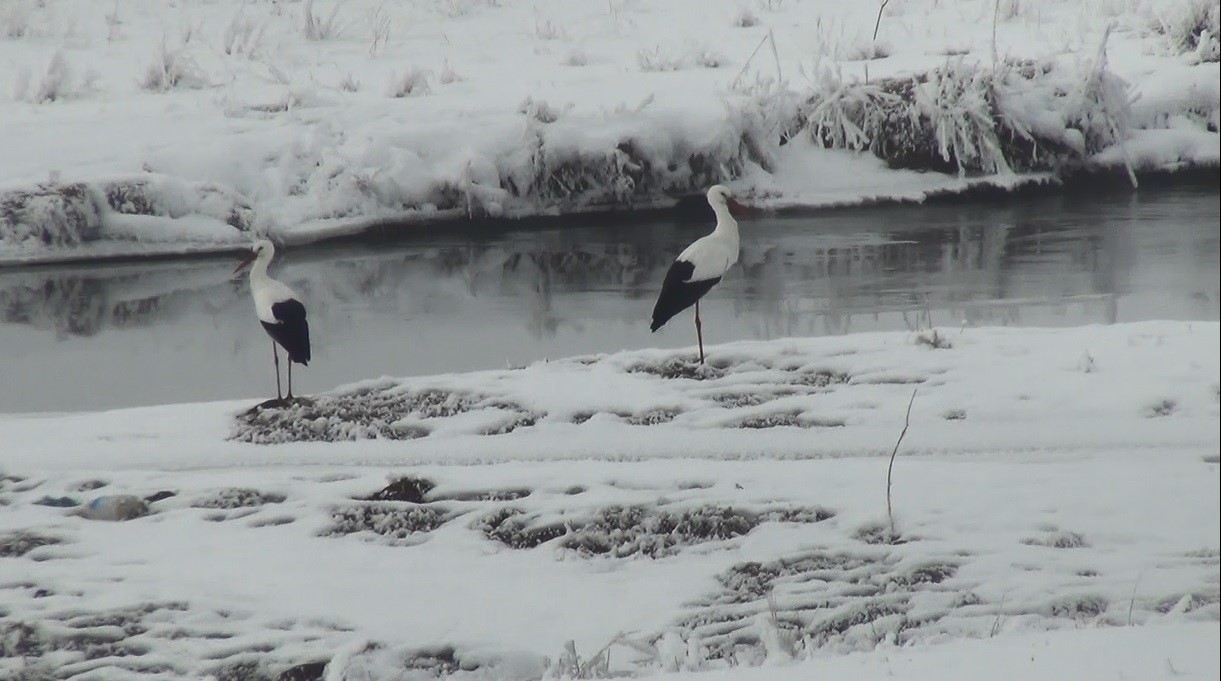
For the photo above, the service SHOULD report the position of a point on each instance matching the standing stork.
(701, 266)
(280, 311)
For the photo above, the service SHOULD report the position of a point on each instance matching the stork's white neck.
(726, 225)
(258, 271)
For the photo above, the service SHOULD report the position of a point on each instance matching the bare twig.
(890, 469)
(1000, 610)
(1132, 600)
(878, 23)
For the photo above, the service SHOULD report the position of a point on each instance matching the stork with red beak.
(701, 265)
(279, 310)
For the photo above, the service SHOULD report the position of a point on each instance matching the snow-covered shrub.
(51, 215)
(171, 69)
(969, 119)
(538, 110)
(1192, 27)
(166, 196)
(413, 83)
(56, 81)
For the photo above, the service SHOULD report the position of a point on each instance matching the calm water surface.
(109, 336)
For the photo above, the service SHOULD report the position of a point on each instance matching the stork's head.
(719, 195)
(262, 250)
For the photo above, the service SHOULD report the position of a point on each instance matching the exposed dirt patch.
(818, 378)
(409, 489)
(732, 400)
(238, 497)
(19, 543)
(1079, 607)
(652, 417)
(620, 531)
(510, 527)
(390, 520)
(520, 419)
(679, 367)
(775, 420)
(363, 414)
(1058, 540)
(1162, 408)
(486, 495)
(879, 533)
(306, 671)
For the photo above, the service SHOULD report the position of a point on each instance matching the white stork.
(280, 311)
(701, 265)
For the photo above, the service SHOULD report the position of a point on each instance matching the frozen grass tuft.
(170, 69)
(58, 82)
(314, 27)
(242, 37)
(1192, 28)
(745, 18)
(378, 20)
(412, 83)
(657, 60)
(575, 57)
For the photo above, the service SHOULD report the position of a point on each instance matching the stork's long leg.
(699, 330)
(275, 355)
(290, 378)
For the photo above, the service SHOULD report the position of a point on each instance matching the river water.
(104, 336)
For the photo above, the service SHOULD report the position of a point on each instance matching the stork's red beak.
(246, 261)
(738, 210)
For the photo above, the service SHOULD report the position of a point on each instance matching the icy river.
(101, 336)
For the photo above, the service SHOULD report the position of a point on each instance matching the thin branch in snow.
(878, 23)
(890, 469)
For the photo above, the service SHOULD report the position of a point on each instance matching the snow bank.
(277, 121)
(1056, 489)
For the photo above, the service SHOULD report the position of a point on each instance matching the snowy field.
(142, 126)
(1056, 514)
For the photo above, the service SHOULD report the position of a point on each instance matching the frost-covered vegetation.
(317, 118)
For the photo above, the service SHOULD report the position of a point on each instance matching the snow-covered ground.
(141, 126)
(1056, 515)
